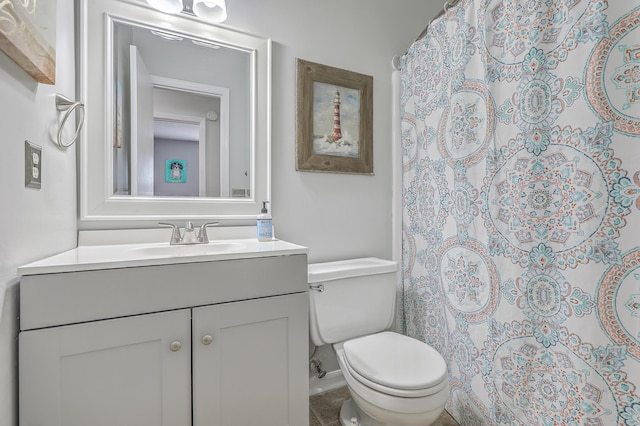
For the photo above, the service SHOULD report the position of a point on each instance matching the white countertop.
(110, 256)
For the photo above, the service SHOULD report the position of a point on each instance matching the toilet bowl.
(393, 379)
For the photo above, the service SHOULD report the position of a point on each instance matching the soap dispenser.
(265, 224)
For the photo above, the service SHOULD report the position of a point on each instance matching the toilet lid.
(396, 361)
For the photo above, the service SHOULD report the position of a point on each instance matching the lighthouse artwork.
(337, 131)
(336, 115)
(334, 119)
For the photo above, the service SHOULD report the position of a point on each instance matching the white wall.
(33, 223)
(335, 215)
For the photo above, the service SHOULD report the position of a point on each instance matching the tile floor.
(324, 409)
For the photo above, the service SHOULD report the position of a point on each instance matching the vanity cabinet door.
(128, 371)
(250, 362)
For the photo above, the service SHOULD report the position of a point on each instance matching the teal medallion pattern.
(428, 197)
(465, 204)
(429, 81)
(563, 384)
(619, 302)
(467, 125)
(627, 191)
(560, 198)
(546, 297)
(538, 101)
(613, 75)
(467, 407)
(423, 306)
(512, 28)
(520, 140)
(469, 279)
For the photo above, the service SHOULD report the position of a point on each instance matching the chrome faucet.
(190, 235)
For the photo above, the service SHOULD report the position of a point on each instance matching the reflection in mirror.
(183, 100)
(178, 117)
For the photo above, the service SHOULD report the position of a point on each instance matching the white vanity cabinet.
(113, 372)
(220, 343)
(235, 383)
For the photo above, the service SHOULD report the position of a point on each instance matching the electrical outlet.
(32, 165)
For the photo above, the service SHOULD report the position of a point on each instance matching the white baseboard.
(333, 380)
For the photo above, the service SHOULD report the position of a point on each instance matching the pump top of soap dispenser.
(264, 207)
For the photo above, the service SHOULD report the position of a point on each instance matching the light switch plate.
(32, 165)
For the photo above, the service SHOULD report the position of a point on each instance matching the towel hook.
(68, 106)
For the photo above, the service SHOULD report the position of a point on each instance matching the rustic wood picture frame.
(337, 152)
(28, 36)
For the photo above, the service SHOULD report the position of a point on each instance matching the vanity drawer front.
(65, 298)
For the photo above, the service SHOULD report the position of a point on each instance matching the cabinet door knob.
(207, 339)
(175, 346)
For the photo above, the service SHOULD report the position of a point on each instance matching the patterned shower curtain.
(520, 124)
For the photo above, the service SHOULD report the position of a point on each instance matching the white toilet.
(393, 379)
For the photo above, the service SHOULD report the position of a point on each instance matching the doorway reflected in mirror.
(189, 97)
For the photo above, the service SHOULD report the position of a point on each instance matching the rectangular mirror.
(177, 116)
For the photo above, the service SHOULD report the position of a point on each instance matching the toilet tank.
(358, 298)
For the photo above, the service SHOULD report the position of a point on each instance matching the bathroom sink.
(149, 247)
(189, 250)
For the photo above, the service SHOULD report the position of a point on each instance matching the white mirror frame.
(96, 199)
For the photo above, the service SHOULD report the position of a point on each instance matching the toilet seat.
(384, 398)
(395, 365)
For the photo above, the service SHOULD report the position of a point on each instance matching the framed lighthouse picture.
(334, 120)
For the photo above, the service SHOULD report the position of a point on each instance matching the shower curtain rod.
(445, 8)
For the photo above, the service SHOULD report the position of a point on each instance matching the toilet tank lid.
(327, 271)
